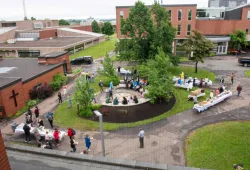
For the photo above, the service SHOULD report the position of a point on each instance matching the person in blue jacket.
(87, 142)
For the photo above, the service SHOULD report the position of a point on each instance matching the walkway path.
(164, 139)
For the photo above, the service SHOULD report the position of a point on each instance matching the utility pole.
(24, 10)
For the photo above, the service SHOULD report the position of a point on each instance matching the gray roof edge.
(90, 158)
(170, 5)
(15, 80)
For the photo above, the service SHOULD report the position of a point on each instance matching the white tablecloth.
(197, 81)
(42, 132)
(185, 85)
(218, 100)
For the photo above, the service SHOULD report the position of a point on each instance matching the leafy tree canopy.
(95, 27)
(63, 22)
(160, 81)
(199, 45)
(108, 28)
(147, 29)
(238, 39)
(32, 18)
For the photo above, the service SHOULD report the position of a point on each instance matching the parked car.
(82, 60)
(245, 61)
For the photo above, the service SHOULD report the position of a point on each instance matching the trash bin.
(14, 126)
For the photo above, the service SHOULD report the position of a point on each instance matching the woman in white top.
(211, 94)
(47, 138)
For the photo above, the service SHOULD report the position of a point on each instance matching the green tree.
(95, 27)
(63, 22)
(238, 39)
(161, 85)
(32, 18)
(199, 45)
(84, 96)
(108, 71)
(108, 29)
(148, 29)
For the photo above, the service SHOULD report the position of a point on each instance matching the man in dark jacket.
(26, 129)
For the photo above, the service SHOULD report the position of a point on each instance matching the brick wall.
(83, 28)
(174, 18)
(8, 103)
(46, 78)
(4, 162)
(44, 34)
(8, 35)
(221, 27)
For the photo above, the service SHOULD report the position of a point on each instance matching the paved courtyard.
(164, 139)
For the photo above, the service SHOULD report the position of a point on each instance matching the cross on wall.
(14, 94)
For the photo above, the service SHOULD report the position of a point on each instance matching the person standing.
(56, 136)
(87, 142)
(111, 85)
(26, 129)
(50, 117)
(119, 69)
(59, 97)
(36, 112)
(206, 82)
(222, 81)
(47, 138)
(232, 78)
(101, 85)
(30, 113)
(141, 138)
(211, 94)
(217, 92)
(201, 83)
(239, 89)
(70, 132)
(70, 102)
(73, 144)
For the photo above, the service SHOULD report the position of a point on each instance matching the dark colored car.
(245, 61)
(82, 60)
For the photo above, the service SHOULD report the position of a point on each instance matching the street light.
(97, 113)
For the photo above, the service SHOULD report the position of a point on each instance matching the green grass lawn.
(219, 146)
(68, 117)
(98, 50)
(247, 73)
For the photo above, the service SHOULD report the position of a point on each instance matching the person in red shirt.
(56, 136)
(70, 132)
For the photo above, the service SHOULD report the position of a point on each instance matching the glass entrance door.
(221, 49)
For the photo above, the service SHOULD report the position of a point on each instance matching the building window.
(179, 15)
(247, 30)
(179, 30)
(190, 15)
(189, 29)
(169, 15)
(248, 15)
(121, 14)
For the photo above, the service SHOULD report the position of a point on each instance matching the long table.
(219, 98)
(42, 132)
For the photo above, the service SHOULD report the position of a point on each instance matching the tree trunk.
(196, 67)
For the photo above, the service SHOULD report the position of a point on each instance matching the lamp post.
(97, 113)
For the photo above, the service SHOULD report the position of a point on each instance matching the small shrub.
(58, 81)
(96, 107)
(86, 112)
(41, 93)
(115, 81)
(31, 103)
(175, 60)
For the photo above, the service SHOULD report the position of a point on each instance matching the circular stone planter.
(133, 112)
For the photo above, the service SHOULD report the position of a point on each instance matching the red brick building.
(185, 18)
(4, 162)
(19, 76)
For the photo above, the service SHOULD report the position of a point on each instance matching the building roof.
(53, 55)
(169, 5)
(241, 6)
(7, 81)
(55, 42)
(14, 69)
(82, 32)
(6, 29)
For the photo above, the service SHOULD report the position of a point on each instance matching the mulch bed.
(127, 114)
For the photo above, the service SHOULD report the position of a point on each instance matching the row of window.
(180, 15)
(189, 29)
(170, 14)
